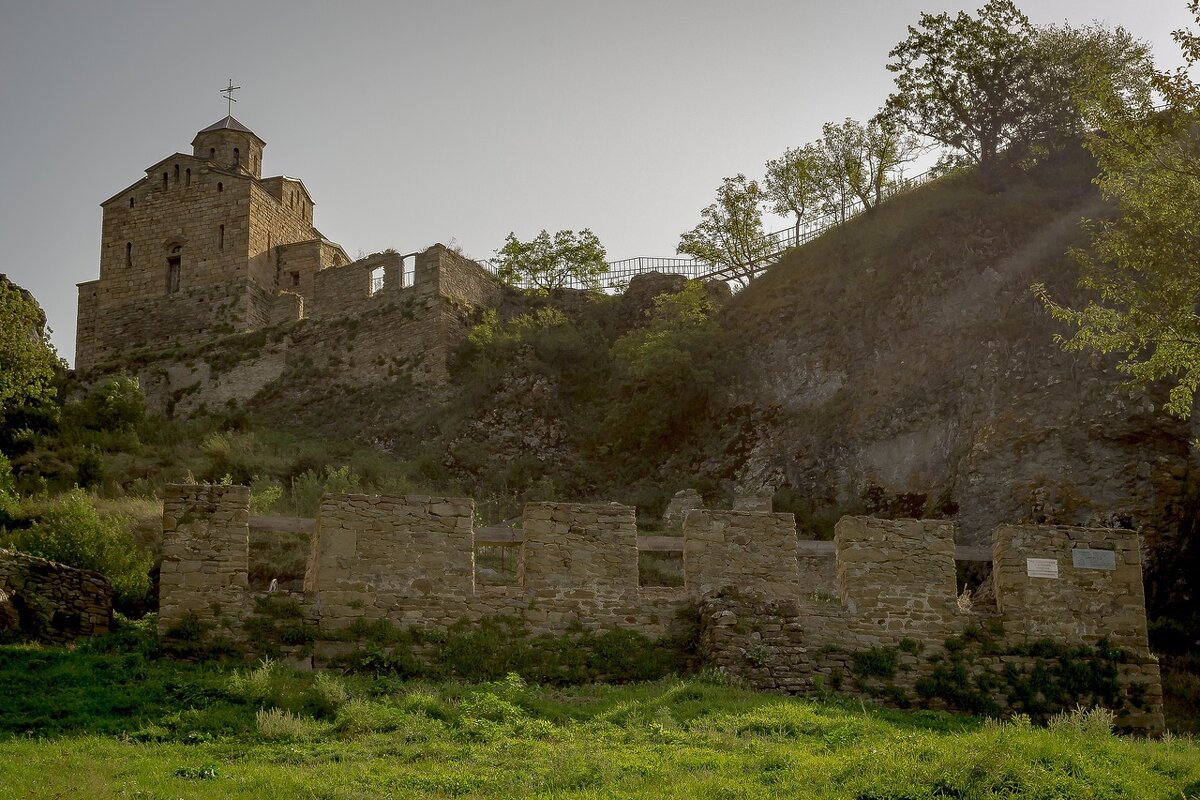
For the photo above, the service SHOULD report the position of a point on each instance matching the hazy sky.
(417, 122)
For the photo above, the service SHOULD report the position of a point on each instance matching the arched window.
(237, 156)
(129, 254)
(212, 154)
(221, 238)
(220, 187)
(187, 178)
(131, 202)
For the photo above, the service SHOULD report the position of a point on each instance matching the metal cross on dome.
(228, 92)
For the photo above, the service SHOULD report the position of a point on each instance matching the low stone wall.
(52, 602)
(892, 629)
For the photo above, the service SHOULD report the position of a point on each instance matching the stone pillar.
(898, 576)
(1078, 586)
(579, 551)
(753, 552)
(206, 557)
(373, 555)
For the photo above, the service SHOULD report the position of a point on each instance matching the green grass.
(88, 723)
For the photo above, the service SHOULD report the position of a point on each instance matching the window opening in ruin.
(376, 280)
(164, 181)
(212, 153)
(295, 279)
(129, 254)
(237, 156)
(173, 266)
(221, 238)
(408, 274)
(220, 187)
(131, 202)
(177, 173)
(187, 177)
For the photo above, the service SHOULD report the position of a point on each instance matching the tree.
(858, 162)
(967, 82)
(547, 263)
(1072, 64)
(730, 234)
(27, 359)
(793, 184)
(1141, 266)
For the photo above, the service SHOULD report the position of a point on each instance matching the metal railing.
(773, 244)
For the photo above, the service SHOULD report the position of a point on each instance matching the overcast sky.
(417, 122)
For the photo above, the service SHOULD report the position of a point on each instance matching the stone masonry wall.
(740, 548)
(890, 638)
(371, 553)
(577, 551)
(893, 631)
(442, 271)
(52, 602)
(205, 557)
(185, 317)
(272, 223)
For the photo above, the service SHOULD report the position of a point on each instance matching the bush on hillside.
(67, 529)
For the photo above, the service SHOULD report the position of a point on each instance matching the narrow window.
(177, 173)
(221, 238)
(187, 178)
(131, 202)
(220, 187)
(164, 181)
(291, 200)
(408, 272)
(376, 280)
(295, 279)
(173, 265)
(129, 254)
(237, 156)
(212, 154)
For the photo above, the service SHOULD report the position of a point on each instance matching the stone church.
(203, 245)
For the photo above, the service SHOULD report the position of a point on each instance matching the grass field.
(121, 721)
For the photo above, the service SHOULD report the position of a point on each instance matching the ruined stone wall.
(205, 558)
(1040, 570)
(442, 271)
(410, 560)
(182, 318)
(893, 631)
(371, 554)
(397, 341)
(286, 307)
(739, 548)
(85, 324)
(52, 602)
(348, 290)
(897, 634)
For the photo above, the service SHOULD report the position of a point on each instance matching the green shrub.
(68, 529)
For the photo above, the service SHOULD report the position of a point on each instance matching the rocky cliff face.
(902, 365)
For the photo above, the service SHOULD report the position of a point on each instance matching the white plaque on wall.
(1082, 558)
(1041, 567)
